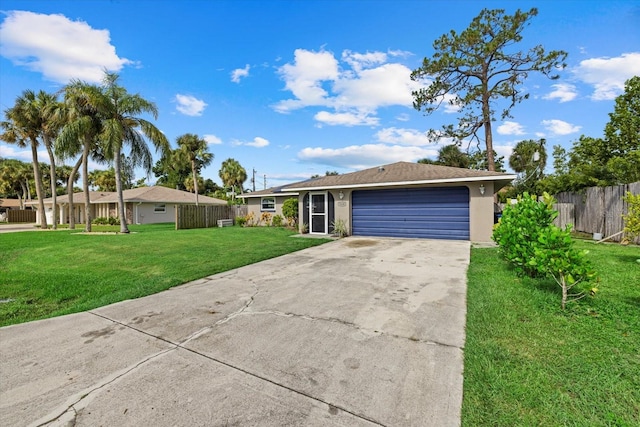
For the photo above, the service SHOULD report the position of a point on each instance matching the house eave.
(502, 179)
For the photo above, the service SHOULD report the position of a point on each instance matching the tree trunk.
(38, 178)
(72, 213)
(85, 187)
(121, 211)
(52, 175)
(24, 193)
(195, 180)
(488, 135)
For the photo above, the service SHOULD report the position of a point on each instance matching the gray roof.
(402, 173)
(273, 191)
(155, 194)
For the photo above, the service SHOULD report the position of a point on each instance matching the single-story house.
(397, 200)
(143, 205)
(11, 204)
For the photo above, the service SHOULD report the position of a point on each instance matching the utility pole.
(265, 181)
(253, 180)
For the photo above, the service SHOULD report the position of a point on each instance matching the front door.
(318, 213)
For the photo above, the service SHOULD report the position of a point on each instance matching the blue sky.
(296, 88)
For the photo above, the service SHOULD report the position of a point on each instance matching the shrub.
(518, 230)
(555, 256)
(340, 228)
(250, 220)
(290, 211)
(241, 220)
(277, 221)
(266, 218)
(632, 217)
(528, 239)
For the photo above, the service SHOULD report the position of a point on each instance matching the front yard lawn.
(528, 363)
(50, 273)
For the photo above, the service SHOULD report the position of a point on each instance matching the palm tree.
(233, 175)
(194, 149)
(528, 159)
(46, 104)
(450, 155)
(121, 126)
(23, 126)
(79, 136)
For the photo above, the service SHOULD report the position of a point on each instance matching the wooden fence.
(192, 216)
(21, 215)
(600, 209)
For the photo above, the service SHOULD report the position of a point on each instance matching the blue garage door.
(432, 213)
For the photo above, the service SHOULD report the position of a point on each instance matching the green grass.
(528, 363)
(46, 274)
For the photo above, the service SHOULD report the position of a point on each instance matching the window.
(268, 204)
(160, 208)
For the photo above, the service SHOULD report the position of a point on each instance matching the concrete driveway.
(356, 332)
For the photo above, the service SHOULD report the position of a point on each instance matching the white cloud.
(189, 105)
(510, 128)
(10, 152)
(239, 73)
(403, 117)
(401, 136)
(57, 47)
(305, 76)
(607, 75)
(564, 92)
(346, 119)
(257, 142)
(364, 156)
(503, 150)
(212, 139)
(560, 127)
(364, 83)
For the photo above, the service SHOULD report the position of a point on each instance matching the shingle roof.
(273, 191)
(155, 194)
(402, 173)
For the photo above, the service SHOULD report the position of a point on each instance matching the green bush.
(103, 220)
(518, 230)
(528, 239)
(556, 257)
(277, 221)
(290, 211)
(241, 220)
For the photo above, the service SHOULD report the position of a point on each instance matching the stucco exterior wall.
(144, 213)
(254, 206)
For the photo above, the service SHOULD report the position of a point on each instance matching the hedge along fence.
(24, 215)
(192, 216)
(600, 209)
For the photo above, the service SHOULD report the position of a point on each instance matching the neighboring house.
(143, 205)
(7, 204)
(398, 200)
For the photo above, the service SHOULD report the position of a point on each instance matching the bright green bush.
(290, 211)
(519, 227)
(241, 220)
(556, 257)
(529, 240)
(632, 217)
(277, 221)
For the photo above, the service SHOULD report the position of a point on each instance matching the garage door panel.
(437, 213)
